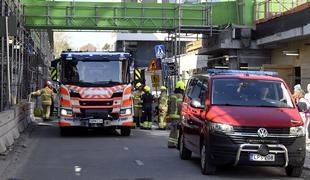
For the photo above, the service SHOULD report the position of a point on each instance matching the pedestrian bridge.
(43, 14)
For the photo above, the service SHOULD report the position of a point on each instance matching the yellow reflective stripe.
(54, 74)
(137, 74)
(173, 140)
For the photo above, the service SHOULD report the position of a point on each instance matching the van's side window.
(191, 86)
(196, 90)
(188, 87)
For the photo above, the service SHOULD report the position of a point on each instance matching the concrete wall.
(302, 61)
(12, 123)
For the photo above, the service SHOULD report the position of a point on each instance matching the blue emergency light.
(95, 55)
(220, 71)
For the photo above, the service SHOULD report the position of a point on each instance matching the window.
(204, 92)
(250, 92)
(196, 90)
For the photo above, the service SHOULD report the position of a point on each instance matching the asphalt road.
(108, 156)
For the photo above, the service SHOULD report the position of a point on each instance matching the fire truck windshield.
(106, 73)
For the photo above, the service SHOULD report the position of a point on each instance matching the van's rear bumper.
(224, 151)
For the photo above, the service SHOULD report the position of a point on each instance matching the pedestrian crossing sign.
(160, 51)
(154, 65)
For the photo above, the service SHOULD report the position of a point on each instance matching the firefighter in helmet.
(137, 95)
(163, 107)
(174, 112)
(147, 101)
(47, 96)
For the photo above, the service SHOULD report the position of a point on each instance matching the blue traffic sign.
(160, 51)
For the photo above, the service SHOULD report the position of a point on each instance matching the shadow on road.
(53, 131)
(246, 172)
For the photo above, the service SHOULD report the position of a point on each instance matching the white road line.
(77, 170)
(140, 163)
(126, 148)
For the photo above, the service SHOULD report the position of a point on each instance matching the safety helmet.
(48, 83)
(147, 88)
(163, 88)
(180, 85)
(138, 85)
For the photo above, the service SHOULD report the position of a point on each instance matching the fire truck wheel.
(125, 131)
(64, 131)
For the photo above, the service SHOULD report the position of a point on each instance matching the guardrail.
(266, 10)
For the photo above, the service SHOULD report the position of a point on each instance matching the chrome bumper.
(274, 148)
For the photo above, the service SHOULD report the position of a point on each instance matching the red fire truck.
(95, 91)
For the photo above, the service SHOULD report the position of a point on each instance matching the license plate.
(258, 157)
(95, 121)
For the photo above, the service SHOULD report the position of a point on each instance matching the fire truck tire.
(125, 131)
(64, 131)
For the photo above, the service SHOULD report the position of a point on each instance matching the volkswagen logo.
(262, 132)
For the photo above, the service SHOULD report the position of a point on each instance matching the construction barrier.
(13, 122)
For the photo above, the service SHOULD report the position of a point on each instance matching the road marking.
(77, 170)
(126, 148)
(140, 163)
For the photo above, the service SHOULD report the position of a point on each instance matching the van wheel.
(207, 168)
(293, 171)
(125, 131)
(185, 153)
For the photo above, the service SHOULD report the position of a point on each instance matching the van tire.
(293, 171)
(125, 131)
(185, 153)
(207, 168)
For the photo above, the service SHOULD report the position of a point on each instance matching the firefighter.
(163, 107)
(137, 95)
(147, 101)
(174, 112)
(47, 96)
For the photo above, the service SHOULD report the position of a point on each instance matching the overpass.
(43, 14)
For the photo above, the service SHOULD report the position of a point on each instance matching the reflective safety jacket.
(46, 95)
(163, 101)
(175, 105)
(137, 95)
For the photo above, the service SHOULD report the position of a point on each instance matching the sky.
(78, 39)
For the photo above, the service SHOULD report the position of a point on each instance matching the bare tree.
(88, 47)
(61, 43)
(106, 47)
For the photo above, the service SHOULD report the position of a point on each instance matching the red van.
(232, 117)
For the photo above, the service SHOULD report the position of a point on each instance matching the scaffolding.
(20, 56)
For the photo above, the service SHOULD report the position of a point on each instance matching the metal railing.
(269, 9)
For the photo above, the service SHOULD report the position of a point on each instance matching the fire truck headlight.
(66, 112)
(126, 111)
